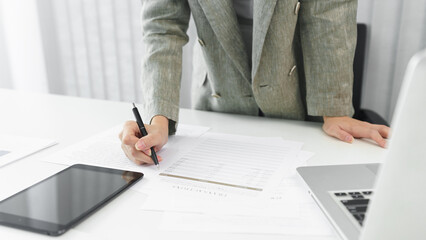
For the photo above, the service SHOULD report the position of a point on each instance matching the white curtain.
(22, 65)
(397, 30)
(5, 77)
(93, 49)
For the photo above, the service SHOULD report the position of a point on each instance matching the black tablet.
(57, 203)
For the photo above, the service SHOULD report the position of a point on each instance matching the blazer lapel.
(262, 14)
(223, 20)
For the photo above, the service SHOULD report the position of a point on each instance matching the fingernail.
(349, 139)
(160, 158)
(147, 152)
(140, 145)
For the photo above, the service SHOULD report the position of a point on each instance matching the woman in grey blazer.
(276, 58)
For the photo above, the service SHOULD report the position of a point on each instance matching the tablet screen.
(68, 195)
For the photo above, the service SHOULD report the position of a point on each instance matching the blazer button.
(216, 95)
(201, 42)
(297, 8)
(292, 70)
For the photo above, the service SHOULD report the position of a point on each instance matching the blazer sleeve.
(328, 36)
(164, 26)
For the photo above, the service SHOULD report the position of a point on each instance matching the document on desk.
(226, 173)
(234, 161)
(13, 148)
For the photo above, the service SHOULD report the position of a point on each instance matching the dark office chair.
(362, 114)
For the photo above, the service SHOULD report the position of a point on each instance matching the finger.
(383, 130)
(129, 156)
(375, 135)
(132, 126)
(139, 156)
(147, 152)
(129, 139)
(136, 156)
(340, 134)
(159, 158)
(370, 133)
(145, 143)
(129, 135)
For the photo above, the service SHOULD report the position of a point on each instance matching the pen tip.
(158, 166)
(134, 105)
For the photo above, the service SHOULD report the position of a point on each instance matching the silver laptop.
(372, 201)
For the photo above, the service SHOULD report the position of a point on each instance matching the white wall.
(23, 40)
(5, 77)
(397, 30)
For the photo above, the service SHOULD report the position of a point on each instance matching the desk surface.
(59, 118)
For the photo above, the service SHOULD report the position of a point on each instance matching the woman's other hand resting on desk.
(346, 129)
(138, 149)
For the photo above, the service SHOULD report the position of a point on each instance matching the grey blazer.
(301, 65)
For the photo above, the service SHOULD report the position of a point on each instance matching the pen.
(143, 131)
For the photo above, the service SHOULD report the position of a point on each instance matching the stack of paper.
(216, 182)
(237, 184)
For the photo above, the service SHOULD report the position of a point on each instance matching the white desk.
(69, 120)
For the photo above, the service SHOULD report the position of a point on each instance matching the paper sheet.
(228, 174)
(13, 148)
(233, 161)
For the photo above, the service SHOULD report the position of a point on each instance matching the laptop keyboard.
(356, 202)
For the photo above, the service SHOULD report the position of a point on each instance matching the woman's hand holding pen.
(138, 149)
